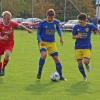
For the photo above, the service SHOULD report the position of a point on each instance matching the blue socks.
(59, 68)
(81, 69)
(41, 63)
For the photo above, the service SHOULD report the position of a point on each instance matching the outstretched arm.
(27, 29)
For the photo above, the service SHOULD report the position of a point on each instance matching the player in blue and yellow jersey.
(82, 33)
(46, 40)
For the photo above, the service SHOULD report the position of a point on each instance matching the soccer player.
(7, 39)
(46, 40)
(82, 33)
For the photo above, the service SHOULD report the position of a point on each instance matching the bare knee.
(86, 61)
(43, 55)
(56, 59)
(79, 61)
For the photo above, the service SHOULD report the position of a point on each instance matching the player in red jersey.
(7, 39)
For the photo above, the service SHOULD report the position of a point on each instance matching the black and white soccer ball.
(55, 76)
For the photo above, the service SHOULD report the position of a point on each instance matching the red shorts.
(6, 46)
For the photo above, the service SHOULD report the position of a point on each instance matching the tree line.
(38, 8)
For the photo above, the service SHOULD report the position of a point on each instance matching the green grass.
(20, 81)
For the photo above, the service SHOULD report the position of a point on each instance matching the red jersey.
(7, 30)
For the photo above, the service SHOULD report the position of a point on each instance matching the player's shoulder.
(76, 25)
(56, 21)
(90, 24)
(13, 22)
(43, 21)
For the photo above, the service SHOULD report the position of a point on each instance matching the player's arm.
(39, 31)
(78, 36)
(75, 34)
(5, 37)
(95, 29)
(59, 33)
(27, 29)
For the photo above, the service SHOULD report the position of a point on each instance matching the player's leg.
(0, 65)
(86, 62)
(1, 54)
(6, 60)
(79, 58)
(43, 55)
(81, 68)
(52, 50)
(86, 59)
(58, 64)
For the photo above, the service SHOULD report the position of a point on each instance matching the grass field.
(20, 81)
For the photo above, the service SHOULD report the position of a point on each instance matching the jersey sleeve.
(58, 28)
(15, 24)
(74, 31)
(93, 27)
(39, 31)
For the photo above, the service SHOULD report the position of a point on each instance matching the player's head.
(82, 18)
(6, 16)
(50, 14)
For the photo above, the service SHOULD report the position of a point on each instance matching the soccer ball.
(55, 76)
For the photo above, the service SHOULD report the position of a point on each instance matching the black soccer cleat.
(63, 79)
(38, 76)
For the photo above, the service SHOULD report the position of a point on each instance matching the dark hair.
(51, 12)
(82, 16)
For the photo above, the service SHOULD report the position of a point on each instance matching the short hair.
(82, 16)
(51, 12)
(6, 13)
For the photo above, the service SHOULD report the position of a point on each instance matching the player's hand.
(78, 36)
(29, 30)
(61, 40)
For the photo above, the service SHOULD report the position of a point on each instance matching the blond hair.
(6, 13)
(50, 12)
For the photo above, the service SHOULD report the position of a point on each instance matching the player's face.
(7, 18)
(50, 18)
(82, 22)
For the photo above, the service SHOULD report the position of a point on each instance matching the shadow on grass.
(40, 87)
(78, 88)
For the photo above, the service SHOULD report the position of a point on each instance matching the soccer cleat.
(63, 79)
(85, 79)
(88, 68)
(38, 76)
